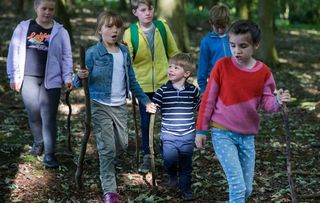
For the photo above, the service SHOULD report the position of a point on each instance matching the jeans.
(144, 125)
(177, 154)
(236, 154)
(110, 129)
(42, 107)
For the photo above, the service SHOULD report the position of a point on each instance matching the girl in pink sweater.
(238, 86)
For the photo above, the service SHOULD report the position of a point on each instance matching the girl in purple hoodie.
(39, 63)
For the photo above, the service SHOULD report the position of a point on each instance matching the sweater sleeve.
(268, 101)
(67, 63)
(13, 68)
(209, 99)
(157, 97)
(196, 98)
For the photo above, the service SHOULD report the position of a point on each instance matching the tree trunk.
(174, 12)
(243, 9)
(63, 17)
(20, 6)
(267, 51)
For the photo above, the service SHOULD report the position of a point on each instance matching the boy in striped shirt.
(177, 100)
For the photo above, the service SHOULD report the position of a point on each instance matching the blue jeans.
(177, 154)
(144, 125)
(236, 154)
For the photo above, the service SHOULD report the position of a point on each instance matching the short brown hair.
(219, 15)
(135, 3)
(110, 18)
(246, 26)
(184, 60)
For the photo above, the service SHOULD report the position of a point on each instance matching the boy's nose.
(238, 51)
(221, 30)
(148, 12)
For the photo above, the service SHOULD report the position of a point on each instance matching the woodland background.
(290, 46)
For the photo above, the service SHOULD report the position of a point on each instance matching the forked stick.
(85, 138)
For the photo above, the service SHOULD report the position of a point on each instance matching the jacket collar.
(213, 34)
(103, 51)
(56, 26)
(170, 86)
(101, 48)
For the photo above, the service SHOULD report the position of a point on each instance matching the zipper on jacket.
(52, 35)
(152, 57)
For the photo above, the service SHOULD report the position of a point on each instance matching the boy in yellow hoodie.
(150, 43)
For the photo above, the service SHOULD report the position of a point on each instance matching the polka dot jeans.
(236, 154)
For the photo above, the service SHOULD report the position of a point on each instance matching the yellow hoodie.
(151, 74)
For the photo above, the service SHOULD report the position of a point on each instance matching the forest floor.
(24, 179)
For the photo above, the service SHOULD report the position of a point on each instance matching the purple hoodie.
(59, 67)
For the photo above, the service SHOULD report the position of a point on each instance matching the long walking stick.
(69, 119)
(151, 132)
(134, 103)
(288, 152)
(85, 139)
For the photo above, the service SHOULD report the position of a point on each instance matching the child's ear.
(187, 74)
(256, 46)
(133, 11)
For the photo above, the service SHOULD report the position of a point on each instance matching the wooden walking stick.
(69, 119)
(85, 139)
(151, 146)
(288, 152)
(134, 103)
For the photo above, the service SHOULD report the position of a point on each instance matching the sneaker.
(145, 166)
(172, 184)
(188, 196)
(50, 161)
(36, 150)
(111, 197)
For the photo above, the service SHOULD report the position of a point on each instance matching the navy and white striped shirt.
(177, 108)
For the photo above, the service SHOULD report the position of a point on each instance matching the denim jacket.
(100, 66)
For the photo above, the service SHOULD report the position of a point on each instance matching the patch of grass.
(280, 23)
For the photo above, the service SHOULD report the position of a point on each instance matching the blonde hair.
(110, 18)
(135, 3)
(184, 60)
(219, 15)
